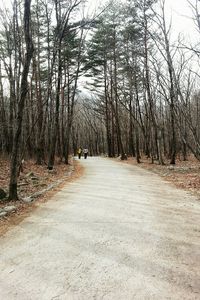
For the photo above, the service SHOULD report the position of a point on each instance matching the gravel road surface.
(118, 232)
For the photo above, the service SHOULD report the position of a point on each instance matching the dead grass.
(25, 209)
(38, 179)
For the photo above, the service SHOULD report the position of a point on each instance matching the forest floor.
(184, 175)
(33, 179)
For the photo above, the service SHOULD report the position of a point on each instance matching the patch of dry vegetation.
(45, 178)
(33, 177)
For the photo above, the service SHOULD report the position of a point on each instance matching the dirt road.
(119, 232)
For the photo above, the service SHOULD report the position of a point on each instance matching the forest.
(115, 81)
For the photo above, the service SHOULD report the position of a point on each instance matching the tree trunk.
(24, 88)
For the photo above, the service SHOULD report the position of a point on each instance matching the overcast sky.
(181, 16)
(178, 9)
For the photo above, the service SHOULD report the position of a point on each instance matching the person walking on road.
(85, 152)
(79, 152)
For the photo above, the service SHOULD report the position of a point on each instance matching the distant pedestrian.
(79, 152)
(85, 152)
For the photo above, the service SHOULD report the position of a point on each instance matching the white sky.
(182, 15)
(180, 12)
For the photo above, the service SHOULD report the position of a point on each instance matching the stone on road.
(119, 232)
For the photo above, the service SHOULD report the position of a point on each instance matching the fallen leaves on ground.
(42, 178)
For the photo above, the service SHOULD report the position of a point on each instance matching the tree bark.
(24, 88)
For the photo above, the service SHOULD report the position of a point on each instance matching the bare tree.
(23, 92)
